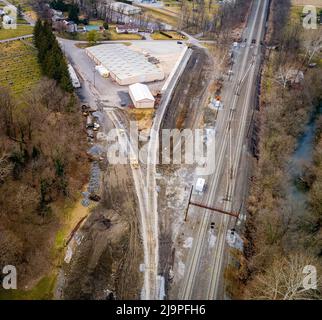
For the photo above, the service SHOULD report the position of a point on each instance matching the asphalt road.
(203, 277)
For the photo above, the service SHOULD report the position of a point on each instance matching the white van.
(200, 185)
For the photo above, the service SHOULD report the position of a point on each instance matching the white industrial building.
(125, 66)
(141, 96)
(123, 8)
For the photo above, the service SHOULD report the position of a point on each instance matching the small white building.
(141, 96)
(70, 26)
(124, 8)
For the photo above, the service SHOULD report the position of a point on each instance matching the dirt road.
(108, 258)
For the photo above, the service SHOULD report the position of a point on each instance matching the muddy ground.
(108, 257)
(184, 108)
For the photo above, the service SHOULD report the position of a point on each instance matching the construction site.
(153, 220)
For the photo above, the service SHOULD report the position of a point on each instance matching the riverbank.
(275, 237)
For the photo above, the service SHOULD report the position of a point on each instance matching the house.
(123, 8)
(71, 26)
(127, 28)
(56, 15)
(141, 96)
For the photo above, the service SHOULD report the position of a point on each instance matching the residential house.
(127, 28)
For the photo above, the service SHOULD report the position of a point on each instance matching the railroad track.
(196, 251)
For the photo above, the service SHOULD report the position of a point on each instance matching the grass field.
(109, 34)
(161, 15)
(297, 12)
(317, 3)
(25, 4)
(20, 31)
(19, 69)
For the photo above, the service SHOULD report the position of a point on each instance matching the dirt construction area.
(106, 261)
(185, 110)
(190, 93)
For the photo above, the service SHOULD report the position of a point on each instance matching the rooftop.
(128, 65)
(141, 92)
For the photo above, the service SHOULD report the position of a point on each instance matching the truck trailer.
(73, 77)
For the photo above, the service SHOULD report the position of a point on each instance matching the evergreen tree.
(73, 13)
(50, 55)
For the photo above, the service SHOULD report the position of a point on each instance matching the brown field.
(317, 3)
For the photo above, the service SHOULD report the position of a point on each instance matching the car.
(94, 197)
(90, 134)
(96, 126)
(212, 225)
(179, 42)
(253, 41)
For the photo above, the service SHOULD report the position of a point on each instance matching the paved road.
(203, 277)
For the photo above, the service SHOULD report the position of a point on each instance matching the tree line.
(42, 168)
(71, 8)
(283, 235)
(50, 56)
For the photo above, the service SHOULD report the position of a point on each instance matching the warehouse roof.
(128, 65)
(141, 92)
(124, 8)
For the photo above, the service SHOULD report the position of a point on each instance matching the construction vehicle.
(134, 162)
(200, 185)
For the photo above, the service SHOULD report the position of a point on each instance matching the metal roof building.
(125, 65)
(124, 8)
(141, 96)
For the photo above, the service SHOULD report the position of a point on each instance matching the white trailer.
(73, 77)
(200, 185)
(102, 71)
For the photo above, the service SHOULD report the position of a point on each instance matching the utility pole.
(214, 209)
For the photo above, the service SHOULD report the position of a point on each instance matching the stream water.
(301, 159)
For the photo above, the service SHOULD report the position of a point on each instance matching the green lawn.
(161, 15)
(21, 30)
(42, 291)
(19, 69)
(109, 34)
(21, 21)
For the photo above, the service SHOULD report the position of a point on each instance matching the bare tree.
(284, 279)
